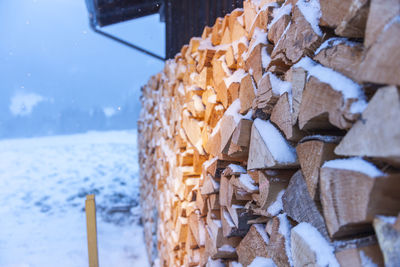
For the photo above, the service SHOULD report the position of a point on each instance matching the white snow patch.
(236, 264)
(206, 44)
(280, 87)
(198, 103)
(387, 219)
(259, 37)
(236, 168)
(396, 19)
(215, 263)
(228, 218)
(262, 262)
(248, 115)
(260, 229)
(44, 182)
(284, 229)
(334, 41)
(366, 261)
(23, 103)
(265, 58)
(323, 251)
(279, 12)
(354, 164)
(233, 110)
(227, 248)
(280, 149)
(240, 19)
(216, 128)
(284, 33)
(247, 181)
(336, 81)
(212, 99)
(236, 77)
(219, 107)
(311, 11)
(181, 89)
(227, 71)
(215, 183)
(235, 44)
(208, 163)
(277, 206)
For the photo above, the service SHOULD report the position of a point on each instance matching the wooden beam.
(91, 230)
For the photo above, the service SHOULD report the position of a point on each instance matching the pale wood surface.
(91, 230)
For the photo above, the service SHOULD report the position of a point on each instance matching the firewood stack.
(275, 139)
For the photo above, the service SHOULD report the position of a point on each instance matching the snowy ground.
(43, 185)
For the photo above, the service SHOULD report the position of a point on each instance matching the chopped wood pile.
(274, 140)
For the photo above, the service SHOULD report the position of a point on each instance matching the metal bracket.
(112, 37)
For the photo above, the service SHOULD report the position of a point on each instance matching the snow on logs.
(273, 139)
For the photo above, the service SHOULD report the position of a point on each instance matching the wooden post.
(91, 230)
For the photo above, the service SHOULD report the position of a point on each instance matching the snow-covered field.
(43, 185)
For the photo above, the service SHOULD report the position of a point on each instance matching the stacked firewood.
(274, 139)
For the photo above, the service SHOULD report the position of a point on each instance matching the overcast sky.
(47, 49)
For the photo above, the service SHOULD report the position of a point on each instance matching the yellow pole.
(91, 230)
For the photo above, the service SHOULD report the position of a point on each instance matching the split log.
(238, 224)
(298, 204)
(230, 58)
(389, 240)
(235, 14)
(215, 167)
(250, 13)
(247, 93)
(220, 70)
(312, 153)
(254, 60)
(193, 131)
(279, 242)
(195, 107)
(215, 252)
(253, 245)
(266, 97)
(213, 202)
(374, 134)
(359, 252)
(238, 31)
(281, 116)
(271, 185)
(197, 228)
(269, 149)
(308, 245)
(342, 56)
(242, 133)
(299, 38)
(276, 29)
(210, 186)
(325, 104)
(333, 12)
(205, 62)
(381, 12)
(229, 123)
(216, 35)
(352, 198)
(298, 78)
(384, 55)
(355, 20)
(262, 19)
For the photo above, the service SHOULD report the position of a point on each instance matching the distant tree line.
(43, 121)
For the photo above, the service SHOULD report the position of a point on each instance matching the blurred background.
(57, 76)
(69, 102)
